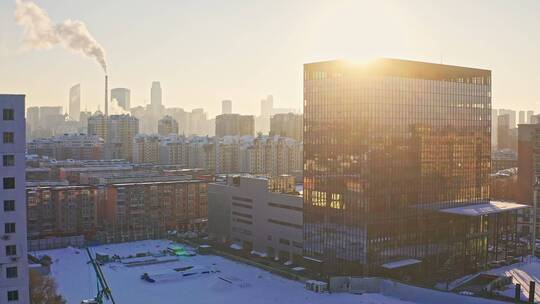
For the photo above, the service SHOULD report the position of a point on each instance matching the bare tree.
(43, 290)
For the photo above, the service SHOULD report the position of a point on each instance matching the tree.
(43, 290)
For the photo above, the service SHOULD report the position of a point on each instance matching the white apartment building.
(260, 215)
(13, 252)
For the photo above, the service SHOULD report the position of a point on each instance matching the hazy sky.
(206, 51)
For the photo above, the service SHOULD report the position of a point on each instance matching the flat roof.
(400, 68)
(483, 209)
(400, 263)
(182, 181)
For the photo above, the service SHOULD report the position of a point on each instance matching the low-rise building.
(61, 211)
(244, 211)
(145, 210)
(68, 146)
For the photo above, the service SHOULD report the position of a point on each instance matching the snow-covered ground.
(234, 283)
(522, 273)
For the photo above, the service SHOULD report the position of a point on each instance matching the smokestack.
(106, 96)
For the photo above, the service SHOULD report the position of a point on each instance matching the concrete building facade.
(62, 211)
(167, 125)
(145, 210)
(287, 125)
(75, 102)
(13, 245)
(121, 132)
(68, 146)
(226, 106)
(255, 215)
(146, 149)
(235, 124)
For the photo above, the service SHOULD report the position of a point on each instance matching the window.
(242, 205)
(8, 160)
(282, 223)
(11, 250)
(9, 205)
(13, 295)
(8, 114)
(11, 272)
(9, 137)
(284, 241)
(243, 221)
(9, 228)
(242, 214)
(242, 199)
(9, 182)
(278, 205)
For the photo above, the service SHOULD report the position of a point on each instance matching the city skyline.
(204, 63)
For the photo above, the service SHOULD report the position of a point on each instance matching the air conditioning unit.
(5, 237)
(14, 259)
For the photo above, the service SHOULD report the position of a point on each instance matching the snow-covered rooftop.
(483, 209)
(234, 283)
(521, 273)
(400, 263)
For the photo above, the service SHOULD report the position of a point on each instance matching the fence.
(56, 242)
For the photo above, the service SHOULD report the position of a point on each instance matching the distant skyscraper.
(494, 115)
(235, 124)
(535, 119)
(13, 244)
(155, 97)
(75, 102)
(267, 106)
(32, 116)
(267, 109)
(226, 106)
(50, 118)
(287, 125)
(47, 112)
(529, 114)
(511, 116)
(167, 125)
(121, 132)
(97, 125)
(522, 118)
(392, 163)
(503, 132)
(198, 122)
(122, 96)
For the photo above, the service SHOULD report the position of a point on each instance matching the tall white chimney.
(106, 96)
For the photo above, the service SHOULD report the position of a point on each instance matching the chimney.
(106, 96)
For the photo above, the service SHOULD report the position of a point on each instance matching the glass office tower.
(387, 145)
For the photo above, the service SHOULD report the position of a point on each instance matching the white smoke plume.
(115, 108)
(41, 33)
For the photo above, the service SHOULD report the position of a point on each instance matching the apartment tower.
(13, 246)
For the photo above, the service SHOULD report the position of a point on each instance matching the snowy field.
(522, 273)
(234, 283)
